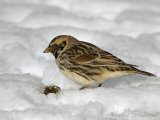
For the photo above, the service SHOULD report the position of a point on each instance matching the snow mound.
(22, 98)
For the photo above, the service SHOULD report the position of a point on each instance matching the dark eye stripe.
(58, 48)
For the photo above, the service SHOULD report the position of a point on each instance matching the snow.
(128, 29)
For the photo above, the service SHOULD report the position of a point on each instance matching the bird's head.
(57, 45)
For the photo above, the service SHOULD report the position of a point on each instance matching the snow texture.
(128, 29)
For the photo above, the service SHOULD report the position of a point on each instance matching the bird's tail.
(144, 72)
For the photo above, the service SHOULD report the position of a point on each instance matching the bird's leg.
(100, 85)
(85, 86)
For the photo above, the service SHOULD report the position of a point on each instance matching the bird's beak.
(48, 50)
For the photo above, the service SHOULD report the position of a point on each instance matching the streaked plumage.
(86, 63)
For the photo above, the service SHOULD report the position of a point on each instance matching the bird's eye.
(63, 45)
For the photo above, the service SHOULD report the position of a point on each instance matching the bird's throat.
(55, 53)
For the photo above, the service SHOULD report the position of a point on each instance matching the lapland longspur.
(86, 63)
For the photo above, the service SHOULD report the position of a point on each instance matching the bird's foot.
(85, 86)
(100, 85)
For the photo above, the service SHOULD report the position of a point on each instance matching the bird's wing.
(105, 59)
(98, 57)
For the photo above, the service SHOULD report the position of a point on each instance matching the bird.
(86, 63)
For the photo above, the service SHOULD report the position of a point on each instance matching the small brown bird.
(86, 63)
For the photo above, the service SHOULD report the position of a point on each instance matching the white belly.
(78, 78)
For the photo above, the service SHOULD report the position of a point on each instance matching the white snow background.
(130, 29)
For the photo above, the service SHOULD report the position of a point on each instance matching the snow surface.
(128, 29)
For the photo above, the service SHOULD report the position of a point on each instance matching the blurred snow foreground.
(128, 29)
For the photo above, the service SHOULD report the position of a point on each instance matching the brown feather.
(83, 59)
(106, 59)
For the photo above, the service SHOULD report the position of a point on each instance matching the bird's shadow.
(124, 81)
